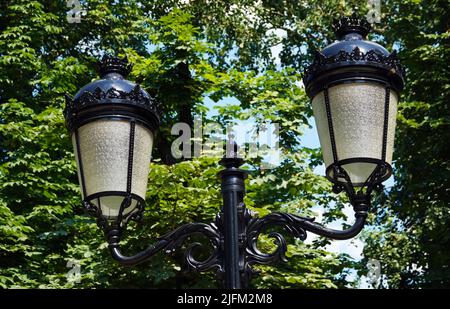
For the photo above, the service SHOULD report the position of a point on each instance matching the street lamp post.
(354, 85)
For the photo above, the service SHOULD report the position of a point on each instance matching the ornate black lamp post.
(354, 85)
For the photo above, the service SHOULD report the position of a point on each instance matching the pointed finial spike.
(231, 158)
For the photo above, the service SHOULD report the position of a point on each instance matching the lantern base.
(117, 206)
(337, 173)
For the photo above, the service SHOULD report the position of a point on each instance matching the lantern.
(354, 86)
(112, 123)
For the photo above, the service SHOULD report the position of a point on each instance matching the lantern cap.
(352, 58)
(112, 96)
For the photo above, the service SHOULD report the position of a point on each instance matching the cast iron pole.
(233, 191)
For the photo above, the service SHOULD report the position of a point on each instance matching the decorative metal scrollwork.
(356, 55)
(291, 224)
(98, 95)
(211, 232)
(288, 222)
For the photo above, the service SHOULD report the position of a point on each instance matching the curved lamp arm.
(293, 222)
(139, 257)
(337, 234)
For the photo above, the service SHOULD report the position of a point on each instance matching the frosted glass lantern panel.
(104, 149)
(357, 111)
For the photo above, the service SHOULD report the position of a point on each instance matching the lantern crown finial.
(351, 24)
(112, 64)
